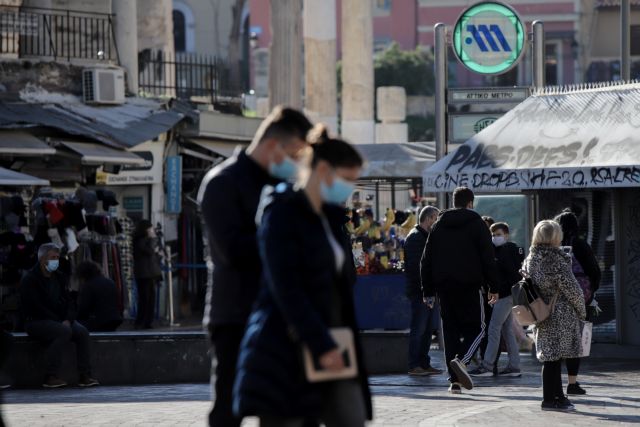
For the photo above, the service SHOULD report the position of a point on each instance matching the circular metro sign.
(489, 38)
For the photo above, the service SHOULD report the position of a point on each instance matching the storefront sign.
(135, 204)
(489, 38)
(174, 184)
(488, 96)
(464, 126)
(150, 172)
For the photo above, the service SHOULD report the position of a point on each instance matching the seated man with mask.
(49, 315)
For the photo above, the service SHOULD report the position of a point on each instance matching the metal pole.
(625, 40)
(441, 100)
(538, 55)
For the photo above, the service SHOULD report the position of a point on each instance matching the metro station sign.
(489, 38)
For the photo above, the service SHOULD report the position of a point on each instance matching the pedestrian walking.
(49, 314)
(457, 262)
(228, 198)
(309, 277)
(587, 272)
(422, 318)
(488, 312)
(97, 299)
(559, 336)
(509, 258)
(147, 272)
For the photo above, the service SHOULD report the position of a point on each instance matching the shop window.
(553, 63)
(635, 40)
(510, 209)
(381, 7)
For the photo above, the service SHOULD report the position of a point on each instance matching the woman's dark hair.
(141, 229)
(87, 270)
(569, 223)
(337, 152)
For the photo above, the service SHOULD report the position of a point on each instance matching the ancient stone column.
(357, 71)
(126, 34)
(392, 111)
(321, 95)
(285, 60)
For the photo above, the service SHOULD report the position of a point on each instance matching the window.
(553, 63)
(179, 31)
(635, 40)
(381, 7)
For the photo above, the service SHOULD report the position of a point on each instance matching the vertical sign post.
(174, 185)
(440, 63)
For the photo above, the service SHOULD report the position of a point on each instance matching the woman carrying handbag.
(291, 358)
(559, 336)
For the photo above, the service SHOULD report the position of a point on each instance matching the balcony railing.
(186, 76)
(59, 34)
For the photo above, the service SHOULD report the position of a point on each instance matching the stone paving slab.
(613, 399)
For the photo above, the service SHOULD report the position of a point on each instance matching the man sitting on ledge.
(50, 316)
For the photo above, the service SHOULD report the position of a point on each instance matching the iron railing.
(186, 76)
(58, 34)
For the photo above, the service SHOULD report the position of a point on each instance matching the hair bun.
(318, 134)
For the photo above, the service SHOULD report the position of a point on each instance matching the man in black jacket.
(422, 324)
(509, 258)
(229, 197)
(457, 261)
(50, 316)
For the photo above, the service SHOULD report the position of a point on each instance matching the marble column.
(126, 34)
(320, 57)
(285, 59)
(392, 111)
(357, 71)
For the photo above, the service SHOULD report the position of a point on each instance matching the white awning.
(219, 147)
(97, 154)
(573, 139)
(23, 144)
(17, 179)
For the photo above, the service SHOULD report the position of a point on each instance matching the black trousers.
(56, 335)
(146, 302)
(463, 325)
(6, 343)
(225, 340)
(573, 366)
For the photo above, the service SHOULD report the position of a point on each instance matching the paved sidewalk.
(613, 399)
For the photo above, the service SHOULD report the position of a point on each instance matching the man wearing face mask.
(50, 317)
(509, 258)
(229, 197)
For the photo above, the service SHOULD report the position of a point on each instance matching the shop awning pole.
(440, 64)
(538, 55)
(625, 41)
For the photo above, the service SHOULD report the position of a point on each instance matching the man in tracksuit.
(229, 197)
(458, 259)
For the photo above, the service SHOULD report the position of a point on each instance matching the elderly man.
(50, 316)
(423, 318)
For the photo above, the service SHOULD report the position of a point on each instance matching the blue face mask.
(286, 170)
(52, 265)
(338, 192)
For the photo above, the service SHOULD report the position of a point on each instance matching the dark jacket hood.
(453, 218)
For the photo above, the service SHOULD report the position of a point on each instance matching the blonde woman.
(558, 337)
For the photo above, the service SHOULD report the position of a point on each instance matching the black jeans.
(56, 335)
(463, 325)
(552, 381)
(146, 302)
(225, 340)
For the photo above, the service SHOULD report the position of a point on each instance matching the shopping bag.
(587, 333)
(315, 373)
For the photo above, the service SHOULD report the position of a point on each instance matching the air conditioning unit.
(103, 86)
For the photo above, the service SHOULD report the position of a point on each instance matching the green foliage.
(421, 128)
(411, 69)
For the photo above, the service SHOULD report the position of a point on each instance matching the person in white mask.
(50, 317)
(509, 258)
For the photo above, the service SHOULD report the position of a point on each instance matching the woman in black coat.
(587, 273)
(307, 289)
(98, 304)
(147, 272)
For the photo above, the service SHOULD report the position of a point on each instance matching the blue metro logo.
(478, 32)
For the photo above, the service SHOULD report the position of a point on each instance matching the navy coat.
(294, 306)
